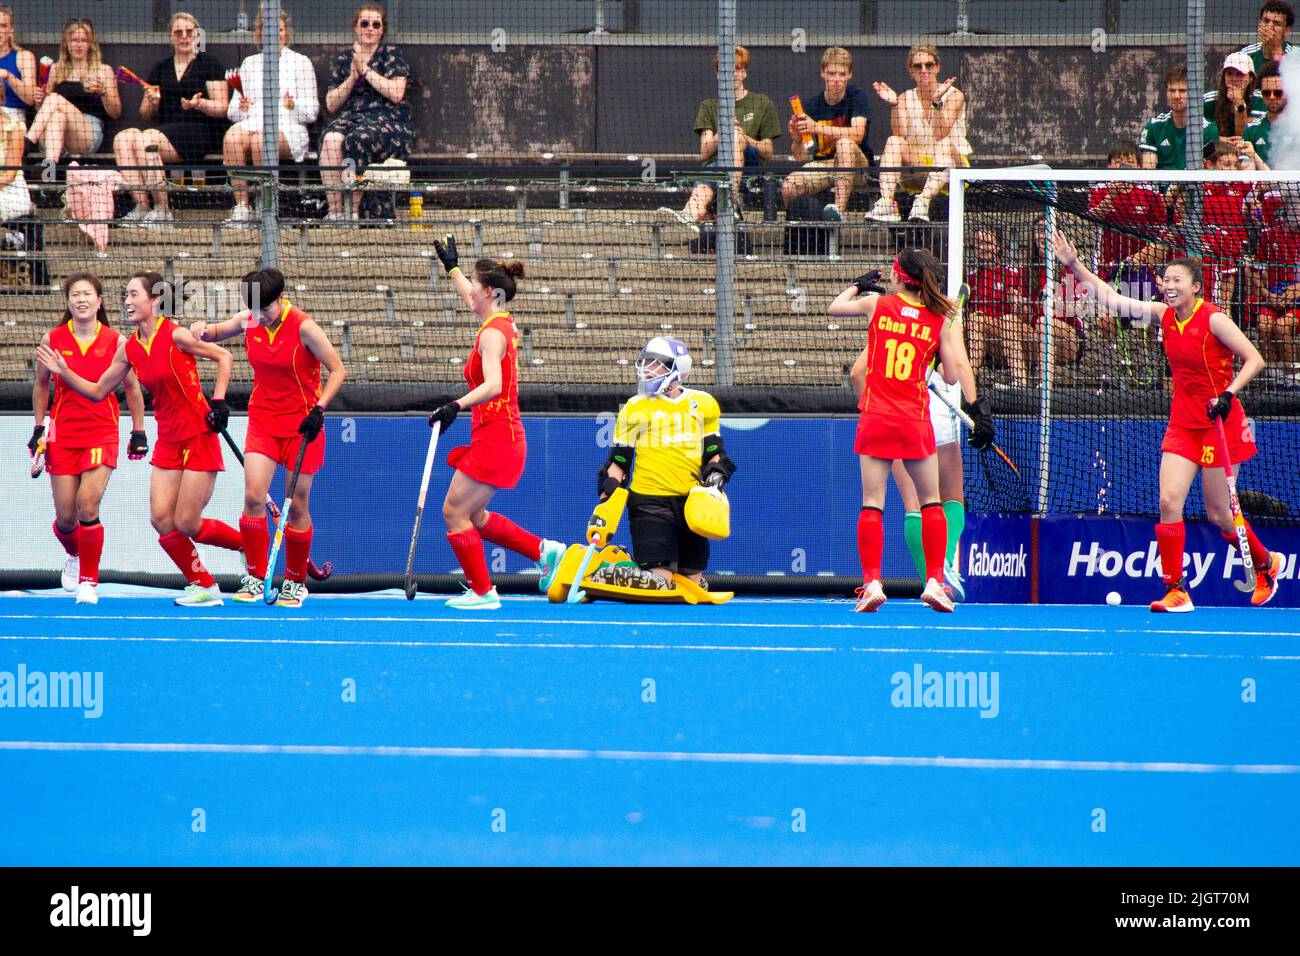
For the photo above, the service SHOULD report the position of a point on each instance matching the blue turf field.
(766, 715)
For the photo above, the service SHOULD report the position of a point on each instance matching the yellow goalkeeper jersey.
(668, 435)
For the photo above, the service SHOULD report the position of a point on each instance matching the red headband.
(903, 277)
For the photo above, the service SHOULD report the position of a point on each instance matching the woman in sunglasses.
(367, 97)
(79, 98)
(184, 109)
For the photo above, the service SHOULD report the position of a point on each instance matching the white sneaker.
(870, 596)
(292, 594)
(71, 573)
(680, 217)
(135, 217)
(920, 210)
(885, 210)
(250, 590)
(86, 593)
(333, 217)
(156, 216)
(935, 596)
(470, 601)
(196, 595)
(242, 213)
(549, 563)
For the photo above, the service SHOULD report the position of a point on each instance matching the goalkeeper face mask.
(663, 363)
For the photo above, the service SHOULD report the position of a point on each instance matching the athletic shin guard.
(90, 544)
(501, 530)
(1170, 537)
(912, 535)
(934, 539)
(256, 541)
(219, 535)
(297, 552)
(955, 513)
(181, 550)
(468, 545)
(68, 539)
(871, 542)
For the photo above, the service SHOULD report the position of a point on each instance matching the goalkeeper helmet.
(663, 363)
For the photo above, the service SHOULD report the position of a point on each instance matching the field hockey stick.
(267, 594)
(969, 422)
(576, 594)
(419, 510)
(38, 459)
(1238, 519)
(316, 573)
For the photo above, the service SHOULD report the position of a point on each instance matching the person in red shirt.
(287, 407)
(1276, 297)
(1200, 342)
(905, 330)
(997, 307)
(81, 446)
(187, 456)
(1138, 209)
(494, 458)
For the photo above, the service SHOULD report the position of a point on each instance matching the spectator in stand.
(1237, 101)
(1164, 138)
(367, 91)
(15, 200)
(184, 108)
(17, 71)
(834, 124)
(1138, 209)
(1277, 287)
(1276, 18)
(299, 105)
(1072, 306)
(79, 98)
(996, 313)
(756, 128)
(1257, 141)
(927, 126)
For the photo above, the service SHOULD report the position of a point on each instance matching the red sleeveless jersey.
(1201, 365)
(76, 421)
(286, 376)
(903, 337)
(498, 419)
(172, 377)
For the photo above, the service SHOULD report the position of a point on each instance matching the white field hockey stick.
(419, 510)
(1238, 519)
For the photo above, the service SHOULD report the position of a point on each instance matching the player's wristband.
(454, 269)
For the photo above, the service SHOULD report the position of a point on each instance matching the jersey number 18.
(899, 357)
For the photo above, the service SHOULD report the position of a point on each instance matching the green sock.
(912, 534)
(955, 512)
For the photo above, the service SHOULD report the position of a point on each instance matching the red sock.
(181, 550)
(871, 542)
(68, 539)
(90, 542)
(1170, 537)
(468, 545)
(501, 530)
(934, 539)
(257, 541)
(297, 551)
(1259, 555)
(219, 535)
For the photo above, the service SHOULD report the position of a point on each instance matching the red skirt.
(1201, 445)
(285, 450)
(496, 463)
(65, 459)
(883, 436)
(200, 452)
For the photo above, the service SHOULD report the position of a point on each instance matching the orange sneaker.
(1266, 580)
(870, 596)
(1175, 601)
(934, 596)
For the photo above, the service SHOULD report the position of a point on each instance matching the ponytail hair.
(922, 273)
(72, 280)
(499, 275)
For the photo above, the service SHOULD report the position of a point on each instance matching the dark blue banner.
(996, 558)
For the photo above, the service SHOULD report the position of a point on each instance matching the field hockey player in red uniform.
(286, 349)
(905, 329)
(494, 458)
(188, 454)
(1200, 342)
(82, 443)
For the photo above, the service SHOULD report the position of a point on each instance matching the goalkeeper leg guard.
(912, 535)
(628, 575)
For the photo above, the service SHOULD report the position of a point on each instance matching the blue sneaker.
(549, 562)
(470, 601)
(954, 580)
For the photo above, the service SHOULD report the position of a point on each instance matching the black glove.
(218, 414)
(447, 254)
(312, 424)
(138, 446)
(35, 440)
(981, 412)
(717, 473)
(445, 415)
(870, 283)
(608, 485)
(1221, 406)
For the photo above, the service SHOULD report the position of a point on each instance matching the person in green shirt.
(1257, 141)
(756, 128)
(1237, 101)
(1276, 18)
(1164, 138)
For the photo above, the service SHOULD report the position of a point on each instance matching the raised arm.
(954, 101)
(450, 260)
(319, 345)
(113, 376)
(1109, 299)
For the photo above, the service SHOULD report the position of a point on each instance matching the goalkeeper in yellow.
(668, 454)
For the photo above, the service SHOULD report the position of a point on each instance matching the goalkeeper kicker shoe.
(870, 596)
(1266, 580)
(292, 594)
(196, 595)
(1175, 601)
(549, 562)
(250, 590)
(935, 597)
(471, 601)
